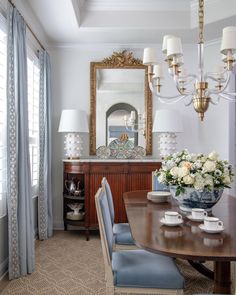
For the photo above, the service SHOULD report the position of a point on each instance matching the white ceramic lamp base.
(73, 145)
(167, 143)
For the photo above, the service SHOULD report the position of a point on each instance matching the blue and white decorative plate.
(121, 149)
(103, 152)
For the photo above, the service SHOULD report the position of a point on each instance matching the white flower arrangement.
(197, 171)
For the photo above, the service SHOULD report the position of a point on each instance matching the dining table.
(186, 241)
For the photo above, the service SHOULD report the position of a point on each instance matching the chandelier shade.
(198, 89)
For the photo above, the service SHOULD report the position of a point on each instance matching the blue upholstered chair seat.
(142, 269)
(122, 234)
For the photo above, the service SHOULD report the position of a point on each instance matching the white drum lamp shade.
(73, 122)
(167, 123)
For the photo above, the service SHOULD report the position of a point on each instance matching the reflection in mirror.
(115, 126)
(119, 91)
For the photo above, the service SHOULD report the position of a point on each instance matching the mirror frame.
(119, 60)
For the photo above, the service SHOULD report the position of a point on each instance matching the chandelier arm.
(211, 91)
(211, 75)
(189, 103)
(227, 97)
(172, 101)
(178, 87)
(215, 79)
(215, 102)
(163, 96)
(229, 93)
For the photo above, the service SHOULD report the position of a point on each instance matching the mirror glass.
(119, 92)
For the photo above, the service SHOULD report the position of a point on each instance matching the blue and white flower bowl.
(192, 198)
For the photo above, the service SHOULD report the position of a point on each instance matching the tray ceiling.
(129, 22)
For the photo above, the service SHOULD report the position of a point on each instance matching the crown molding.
(113, 46)
(134, 5)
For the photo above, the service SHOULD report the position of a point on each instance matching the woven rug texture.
(68, 264)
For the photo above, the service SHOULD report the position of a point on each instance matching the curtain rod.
(29, 28)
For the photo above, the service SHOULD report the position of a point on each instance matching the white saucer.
(211, 231)
(163, 221)
(158, 196)
(195, 219)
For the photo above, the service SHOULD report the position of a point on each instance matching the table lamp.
(74, 123)
(167, 123)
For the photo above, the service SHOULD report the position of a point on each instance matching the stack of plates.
(159, 196)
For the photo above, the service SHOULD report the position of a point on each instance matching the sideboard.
(122, 175)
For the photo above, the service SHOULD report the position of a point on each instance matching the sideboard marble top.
(110, 160)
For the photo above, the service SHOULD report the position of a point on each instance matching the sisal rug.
(68, 264)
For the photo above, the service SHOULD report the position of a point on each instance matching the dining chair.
(122, 233)
(156, 185)
(134, 271)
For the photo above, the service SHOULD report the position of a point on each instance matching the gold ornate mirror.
(119, 87)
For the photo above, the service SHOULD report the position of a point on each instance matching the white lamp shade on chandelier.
(73, 122)
(167, 123)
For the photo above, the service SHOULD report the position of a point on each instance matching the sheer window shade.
(33, 112)
(3, 117)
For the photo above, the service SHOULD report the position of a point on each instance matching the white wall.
(71, 89)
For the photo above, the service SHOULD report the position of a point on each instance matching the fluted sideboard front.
(122, 176)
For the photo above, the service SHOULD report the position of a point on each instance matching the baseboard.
(58, 225)
(3, 268)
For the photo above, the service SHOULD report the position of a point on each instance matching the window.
(33, 113)
(3, 112)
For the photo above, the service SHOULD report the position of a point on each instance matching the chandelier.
(134, 125)
(200, 94)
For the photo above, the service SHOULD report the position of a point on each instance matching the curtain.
(3, 120)
(19, 195)
(45, 220)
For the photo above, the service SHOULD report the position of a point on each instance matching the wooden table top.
(186, 241)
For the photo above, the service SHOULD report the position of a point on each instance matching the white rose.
(199, 183)
(197, 164)
(209, 166)
(170, 164)
(208, 180)
(213, 156)
(188, 158)
(203, 159)
(174, 172)
(188, 179)
(227, 180)
(183, 171)
(193, 157)
(162, 178)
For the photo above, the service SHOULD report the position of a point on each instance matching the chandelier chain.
(201, 20)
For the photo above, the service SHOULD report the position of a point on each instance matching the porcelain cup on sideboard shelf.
(172, 217)
(213, 223)
(198, 213)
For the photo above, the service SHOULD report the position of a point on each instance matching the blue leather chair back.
(106, 220)
(107, 188)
